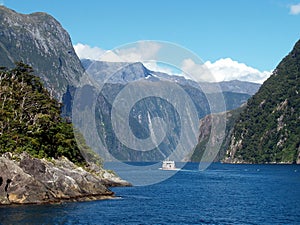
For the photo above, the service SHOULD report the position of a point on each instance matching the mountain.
(235, 92)
(205, 132)
(40, 41)
(116, 72)
(124, 72)
(238, 86)
(268, 130)
(113, 77)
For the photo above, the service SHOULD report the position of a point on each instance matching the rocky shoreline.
(28, 180)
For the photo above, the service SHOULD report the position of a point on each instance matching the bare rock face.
(205, 130)
(109, 178)
(18, 186)
(28, 180)
(39, 40)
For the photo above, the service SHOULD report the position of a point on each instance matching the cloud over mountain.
(131, 53)
(224, 69)
(295, 9)
(87, 52)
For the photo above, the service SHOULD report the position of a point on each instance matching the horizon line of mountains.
(263, 131)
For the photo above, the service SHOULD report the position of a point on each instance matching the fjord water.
(222, 194)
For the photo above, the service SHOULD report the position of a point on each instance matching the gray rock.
(109, 178)
(29, 180)
(18, 186)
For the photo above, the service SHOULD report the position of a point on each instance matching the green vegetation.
(269, 128)
(30, 118)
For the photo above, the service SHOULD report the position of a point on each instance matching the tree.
(30, 118)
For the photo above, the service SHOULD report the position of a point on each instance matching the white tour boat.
(168, 165)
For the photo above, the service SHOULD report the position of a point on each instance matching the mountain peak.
(116, 72)
(19, 17)
(39, 40)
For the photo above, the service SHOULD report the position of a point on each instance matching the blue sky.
(258, 33)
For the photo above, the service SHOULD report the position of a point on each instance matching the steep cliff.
(205, 132)
(40, 41)
(268, 130)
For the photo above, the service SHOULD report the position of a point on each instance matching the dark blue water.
(223, 194)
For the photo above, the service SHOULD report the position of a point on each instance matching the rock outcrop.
(28, 180)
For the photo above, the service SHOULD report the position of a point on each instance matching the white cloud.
(295, 9)
(224, 70)
(139, 52)
(142, 51)
(195, 71)
(87, 52)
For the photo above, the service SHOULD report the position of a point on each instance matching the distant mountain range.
(124, 72)
(40, 41)
(116, 75)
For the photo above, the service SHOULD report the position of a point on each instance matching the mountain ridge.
(39, 40)
(113, 77)
(101, 71)
(268, 129)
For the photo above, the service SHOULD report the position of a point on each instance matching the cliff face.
(40, 41)
(268, 130)
(205, 132)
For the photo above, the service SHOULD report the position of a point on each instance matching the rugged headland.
(41, 159)
(28, 180)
